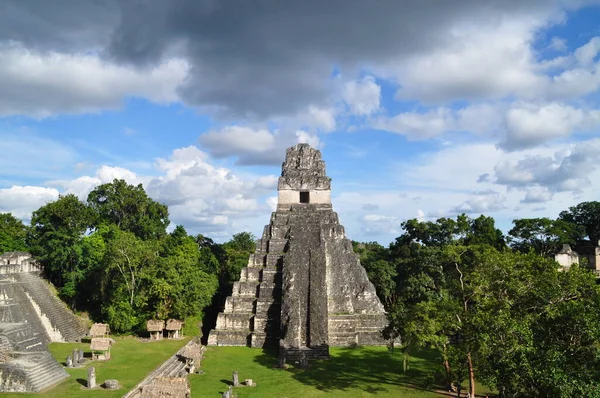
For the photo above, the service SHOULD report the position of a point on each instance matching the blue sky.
(420, 109)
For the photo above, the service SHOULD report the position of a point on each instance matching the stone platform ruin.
(304, 288)
(31, 316)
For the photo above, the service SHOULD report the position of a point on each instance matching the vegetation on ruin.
(131, 361)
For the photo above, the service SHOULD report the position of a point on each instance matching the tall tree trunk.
(471, 375)
(447, 367)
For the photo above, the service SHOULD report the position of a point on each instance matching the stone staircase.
(172, 367)
(61, 318)
(20, 327)
(30, 371)
(251, 315)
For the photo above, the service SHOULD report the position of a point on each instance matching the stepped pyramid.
(304, 288)
(31, 316)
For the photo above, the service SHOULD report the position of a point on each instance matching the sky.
(421, 108)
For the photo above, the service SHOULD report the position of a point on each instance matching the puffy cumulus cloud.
(305, 137)
(41, 84)
(558, 44)
(254, 146)
(479, 118)
(22, 200)
(517, 126)
(363, 97)
(202, 197)
(567, 169)
(417, 125)
(496, 52)
(481, 202)
(575, 74)
(376, 224)
(528, 124)
(82, 186)
(263, 62)
(537, 195)
(233, 140)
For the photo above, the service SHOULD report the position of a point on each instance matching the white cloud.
(254, 146)
(202, 197)
(305, 137)
(22, 200)
(586, 55)
(528, 125)
(558, 44)
(419, 126)
(484, 202)
(482, 60)
(538, 195)
(42, 84)
(569, 169)
(362, 96)
(234, 140)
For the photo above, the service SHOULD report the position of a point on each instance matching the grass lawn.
(131, 360)
(351, 372)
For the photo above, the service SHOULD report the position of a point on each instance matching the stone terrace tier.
(252, 314)
(304, 288)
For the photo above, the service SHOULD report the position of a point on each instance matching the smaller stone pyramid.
(304, 288)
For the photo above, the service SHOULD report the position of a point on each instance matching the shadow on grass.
(366, 368)
(83, 382)
(227, 382)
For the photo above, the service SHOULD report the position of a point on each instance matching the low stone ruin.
(304, 289)
(111, 384)
(568, 257)
(155, 327)
(174, 328)
(99, 330)
(76, 359)
(173, 387)
(100, 347)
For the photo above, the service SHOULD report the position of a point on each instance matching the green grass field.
(360, 372)
(351, 372)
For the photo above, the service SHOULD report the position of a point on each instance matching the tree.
(129, 208)
(587, 215)
(55, 239)
(482, 231)
(13, 234)
(237, 251)
(544, 236)
(185, 279)
(128, 268)
(380, 270)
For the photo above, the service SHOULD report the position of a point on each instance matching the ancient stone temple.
(304, 288)
(31, 316)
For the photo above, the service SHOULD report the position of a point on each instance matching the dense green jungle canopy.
(496, 307)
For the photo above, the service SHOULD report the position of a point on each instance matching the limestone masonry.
(31, 316)
(304, 288)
